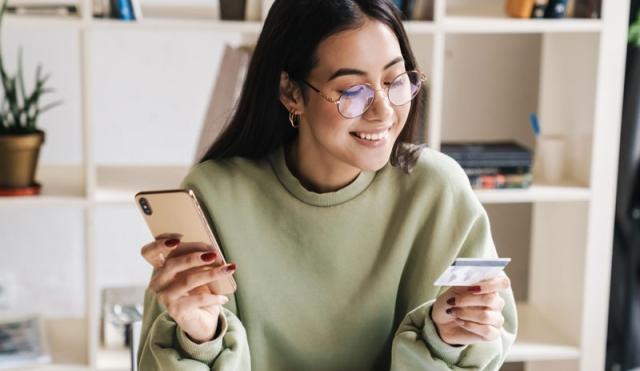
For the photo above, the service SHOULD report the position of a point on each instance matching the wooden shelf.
(537, 340)
(113, 359)
(490, 17)
(67, 339)
(504, 25)
(192, 21)
(54, 367)
(119, 184)
(42, 21)
(199, 24)
(535, 193)
(62, 185)
(177, 24)
(420, 27)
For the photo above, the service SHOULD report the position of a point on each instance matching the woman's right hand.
(180, 285)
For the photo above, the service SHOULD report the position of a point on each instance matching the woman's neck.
(317, 174)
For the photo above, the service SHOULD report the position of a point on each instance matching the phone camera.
(144, 204)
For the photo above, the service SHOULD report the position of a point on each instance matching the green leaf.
(2, 10)
(11, 95)
(20, 75)
(42, 81)
(3, 74)
(31, 122)
(50, 106)
(38, 72)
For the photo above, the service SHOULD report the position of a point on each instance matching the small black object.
(144, 204)
(232, 9)
(556, 9)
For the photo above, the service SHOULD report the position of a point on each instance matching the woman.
(337, 225)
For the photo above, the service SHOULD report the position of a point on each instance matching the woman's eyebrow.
(353, 71)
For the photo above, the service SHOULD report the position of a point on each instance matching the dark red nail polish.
(230, 268)
(172, 242)
(449, 311)
(208, 257)
(451, 301)
(475, 289)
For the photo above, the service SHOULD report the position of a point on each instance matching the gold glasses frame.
(421, 76)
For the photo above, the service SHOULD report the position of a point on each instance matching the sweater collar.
(293, 185)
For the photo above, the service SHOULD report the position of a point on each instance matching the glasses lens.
(355, 100)
(404, 88)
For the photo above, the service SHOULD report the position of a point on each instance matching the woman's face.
(369, 54)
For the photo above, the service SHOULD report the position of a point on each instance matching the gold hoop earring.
(293, 118)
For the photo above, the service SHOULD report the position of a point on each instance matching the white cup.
(549, 158)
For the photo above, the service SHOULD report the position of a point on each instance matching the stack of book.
(493, 165)
(553, 8)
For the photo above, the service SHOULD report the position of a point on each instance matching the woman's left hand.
(470, 314)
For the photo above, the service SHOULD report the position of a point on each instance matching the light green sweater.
(333, 281)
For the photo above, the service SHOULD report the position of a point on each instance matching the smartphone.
(178, 211)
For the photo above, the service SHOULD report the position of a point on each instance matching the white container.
(549, 159)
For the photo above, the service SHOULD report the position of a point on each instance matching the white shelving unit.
(571, 74)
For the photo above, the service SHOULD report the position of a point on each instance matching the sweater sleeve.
(459, 228)
(164, 346)
(417, 345)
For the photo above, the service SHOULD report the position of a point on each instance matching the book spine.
(399, 4)
(124, 10)
(137, 10)
(587, 9)
(500, 181)
(476, 156)
(513, 170)
(422, 10)
(539, 9)
(408, 7)
(107, 8)
(496, 163)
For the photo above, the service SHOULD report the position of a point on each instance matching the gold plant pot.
(19, 159)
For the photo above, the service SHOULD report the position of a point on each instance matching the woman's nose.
(381, 108)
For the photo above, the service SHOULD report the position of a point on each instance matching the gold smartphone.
(178, 211)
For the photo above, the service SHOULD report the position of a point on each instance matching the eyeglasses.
(356, 100)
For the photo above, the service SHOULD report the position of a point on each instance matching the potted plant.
(20, 139)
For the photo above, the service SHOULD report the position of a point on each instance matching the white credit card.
(469, 271)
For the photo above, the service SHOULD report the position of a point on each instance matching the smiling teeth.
(375, 136)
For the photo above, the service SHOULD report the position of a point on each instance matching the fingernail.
(172, 242)
(475, 289)
(451, 301)
(208, 257)
(230, 268)
(449, 310)
(225, 300)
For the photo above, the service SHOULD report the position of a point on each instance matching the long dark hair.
(290, 35)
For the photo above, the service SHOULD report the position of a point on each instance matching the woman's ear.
(290, 94)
